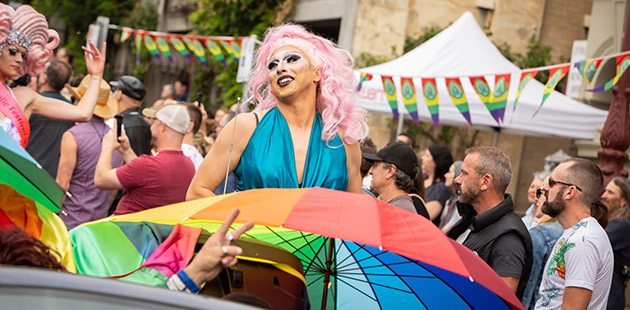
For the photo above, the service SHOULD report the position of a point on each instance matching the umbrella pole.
(328, 271)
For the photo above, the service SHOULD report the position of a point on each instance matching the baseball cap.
(174, 116)
(130, 86)
(397, 153)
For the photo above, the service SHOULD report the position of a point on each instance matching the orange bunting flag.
(429, 91)
(555, 76)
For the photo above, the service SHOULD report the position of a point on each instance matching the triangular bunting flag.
(138, 39)
(163, 46)
(364, 77)
(623, 61)
(555, 76)
(196, 47)
(498, 101)
(150, 45)
(179, 46)
(526, 76)
(588, 68)
(215, 50)
(429, 91)
(409, 98)
(456, 92)
(390, 93)
(480, 85)
(126, 33)
(229, 48)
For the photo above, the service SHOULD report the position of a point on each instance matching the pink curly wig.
(28, 28)
(335, 92)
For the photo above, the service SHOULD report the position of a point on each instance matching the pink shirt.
(154, 181)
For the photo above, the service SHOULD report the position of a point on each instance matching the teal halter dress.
(268, 161)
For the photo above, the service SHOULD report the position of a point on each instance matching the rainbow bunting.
(364, 77)
(197, 48)
(126, 33)
(179, 46)
(456, 91)
(215, 50)
(138, 38)
(623, 61)
(498, 101)
(163, 46)
(480, 85)
(150, 45)
(429, 91)
(390, 92)
(588, 68)
(409, 98)
(526, 76)
(555, 76)
(230, 48)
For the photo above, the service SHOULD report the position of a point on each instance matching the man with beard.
(579, 271)
(489, 226)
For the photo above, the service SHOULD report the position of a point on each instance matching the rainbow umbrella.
(25, 175)
(357, 251)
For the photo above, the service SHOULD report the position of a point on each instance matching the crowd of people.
(112, 157)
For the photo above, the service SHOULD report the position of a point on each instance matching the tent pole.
(495, 137)
(401, 120)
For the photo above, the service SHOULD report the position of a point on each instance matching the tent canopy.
(463, 50)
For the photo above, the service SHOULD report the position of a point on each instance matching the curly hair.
(20, 249)
(28, 28)
(335, 91)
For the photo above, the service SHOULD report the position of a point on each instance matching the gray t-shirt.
(403, 202)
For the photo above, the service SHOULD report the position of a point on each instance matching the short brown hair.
(587, 175)
(494, 162)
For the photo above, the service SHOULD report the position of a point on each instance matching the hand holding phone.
(119, 122)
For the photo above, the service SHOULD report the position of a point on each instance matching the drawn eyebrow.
(291, 54)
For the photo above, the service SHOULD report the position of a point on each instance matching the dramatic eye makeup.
(14, 51)
(288, 58)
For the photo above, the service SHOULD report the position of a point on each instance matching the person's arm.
(353, 162)
(212, 170)
(125, 148)
(434, 208)
(105, 177)
(67, 160)
(57, 109)
(508, 259)
(511, 282)
(576, 298)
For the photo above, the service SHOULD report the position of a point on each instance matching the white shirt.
(582, 257)
(194, 155)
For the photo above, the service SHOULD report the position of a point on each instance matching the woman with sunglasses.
(305, 129)
(531, 215)
(25, 48)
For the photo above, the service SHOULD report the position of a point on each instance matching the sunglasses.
(539, 192)
(553, 182)
(14, 51)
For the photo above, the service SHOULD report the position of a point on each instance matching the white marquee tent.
(462, 50)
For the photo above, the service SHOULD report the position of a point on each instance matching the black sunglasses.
(553, 182)
(539, 192)
(14, 51)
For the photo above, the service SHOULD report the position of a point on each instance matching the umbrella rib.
(365, 258)
(355, 288)
(365, 267)
(291, 245)
(318, 278)
(410, 291)
(319, 262)
(349, 256)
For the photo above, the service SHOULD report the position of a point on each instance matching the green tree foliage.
(228, 18)
(144, 16)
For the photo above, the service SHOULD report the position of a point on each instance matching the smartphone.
(119, 122)
(198, 99)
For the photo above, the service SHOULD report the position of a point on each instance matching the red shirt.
(154, 181)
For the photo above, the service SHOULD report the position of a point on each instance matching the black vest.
(487, 227)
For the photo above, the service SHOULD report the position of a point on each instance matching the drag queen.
(305, 129)
(25, 48)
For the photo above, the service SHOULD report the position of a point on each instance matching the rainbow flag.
(480, 85)
(138, 38)
(390, 92)
(409, 98)
(623, 61)
(232, 48)
(364, 77)
(456, 91)
(163, 46)
(19, 211)
(179, 46)
(498, 101)
(526, 76)
(126, 33)
(138, 252)
(555, 76)
(429, 91)
(150, 45)
(588, 68)
(197, 48)
(215, 50)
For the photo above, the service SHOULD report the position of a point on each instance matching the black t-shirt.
(138, 130)
(507, 256)
(438, 192)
